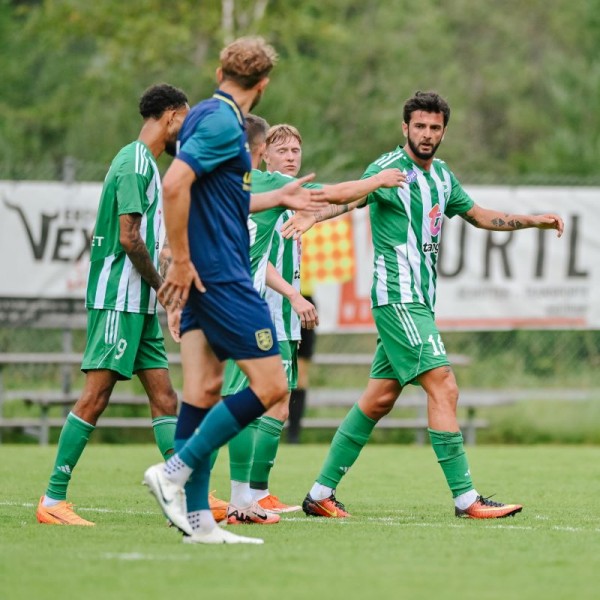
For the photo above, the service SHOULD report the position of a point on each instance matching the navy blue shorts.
(234, 318)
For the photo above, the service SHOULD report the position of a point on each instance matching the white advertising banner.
(45, 232)
(495, 280)
(487, 280)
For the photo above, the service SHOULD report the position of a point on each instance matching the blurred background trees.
(522, 78)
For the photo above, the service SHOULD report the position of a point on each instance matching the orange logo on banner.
(327, 253)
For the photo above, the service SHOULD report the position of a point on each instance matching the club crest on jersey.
(411, 176)
(247, 181)
(264, 339)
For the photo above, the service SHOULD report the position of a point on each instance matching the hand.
(305, 310)
(298, 224)
(174, 324)
(549, 221)
(389, 178)
(295, 197)
(174, 291)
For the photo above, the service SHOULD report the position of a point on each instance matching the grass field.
(402, 542)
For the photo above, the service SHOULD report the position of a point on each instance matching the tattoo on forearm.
(507, 223)
(332, 211)
(141, 260)
(138, 253)
(470, 219)
(164, 261)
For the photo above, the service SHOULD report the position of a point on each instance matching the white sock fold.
(177, 471)
(201, 520)
(50, 502)
(241, 494)
(320, 492)
(465, 500)
(260, 494)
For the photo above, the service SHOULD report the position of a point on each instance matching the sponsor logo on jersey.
(435, 220)
(411, 176)
(433, 247)
(264, 339)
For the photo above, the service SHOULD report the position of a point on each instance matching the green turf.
(402, 542)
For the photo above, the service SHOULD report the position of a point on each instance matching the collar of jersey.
(219, 95)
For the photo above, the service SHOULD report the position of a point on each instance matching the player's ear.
(219, 75)
(262, 84)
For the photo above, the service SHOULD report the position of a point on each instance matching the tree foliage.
(523, 79)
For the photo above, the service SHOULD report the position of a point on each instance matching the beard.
(171, 147)
(256, 99)
(423, 155)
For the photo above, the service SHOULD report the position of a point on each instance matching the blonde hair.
(247, 61)
(281, 133)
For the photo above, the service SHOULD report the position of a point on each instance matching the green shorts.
(123, 342)
(409, 343)
(235, 381)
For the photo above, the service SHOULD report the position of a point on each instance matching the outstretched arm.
(495, 220)
(302, 221)
(291, 195)
(302, 307)
(349, 191)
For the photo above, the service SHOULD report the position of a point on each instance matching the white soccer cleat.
(170, 497)
(218, 535)
(254, 513)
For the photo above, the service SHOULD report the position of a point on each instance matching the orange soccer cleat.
(329, 507)
(484, 508)
(218, 507)
(274, 504)
(59, 514)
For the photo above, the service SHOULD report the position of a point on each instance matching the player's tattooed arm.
(164, 259)
(494, 220)
(302, 221)
(135, 248)
(330, 212)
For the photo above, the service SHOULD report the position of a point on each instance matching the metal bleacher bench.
(412, 397)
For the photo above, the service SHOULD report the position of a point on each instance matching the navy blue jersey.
(213, 143)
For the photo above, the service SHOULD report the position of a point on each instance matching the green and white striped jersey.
(267, 245)
(132, 185)
(285, 255)
(261, 226)
(406, 225)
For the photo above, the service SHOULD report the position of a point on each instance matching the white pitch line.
(88, 509)
(138, 556)
(464, 525)
(395, 521)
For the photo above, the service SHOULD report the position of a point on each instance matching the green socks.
(241, 452)
(164, 434)
(450, 452)
(268, 435)
(73, 439)
(346, 445)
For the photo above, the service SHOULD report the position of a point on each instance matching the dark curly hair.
(427, 102)
(160, 97)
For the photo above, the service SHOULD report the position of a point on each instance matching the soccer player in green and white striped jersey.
(124, 335)
(406, 226)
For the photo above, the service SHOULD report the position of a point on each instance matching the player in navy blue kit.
(206, 203)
